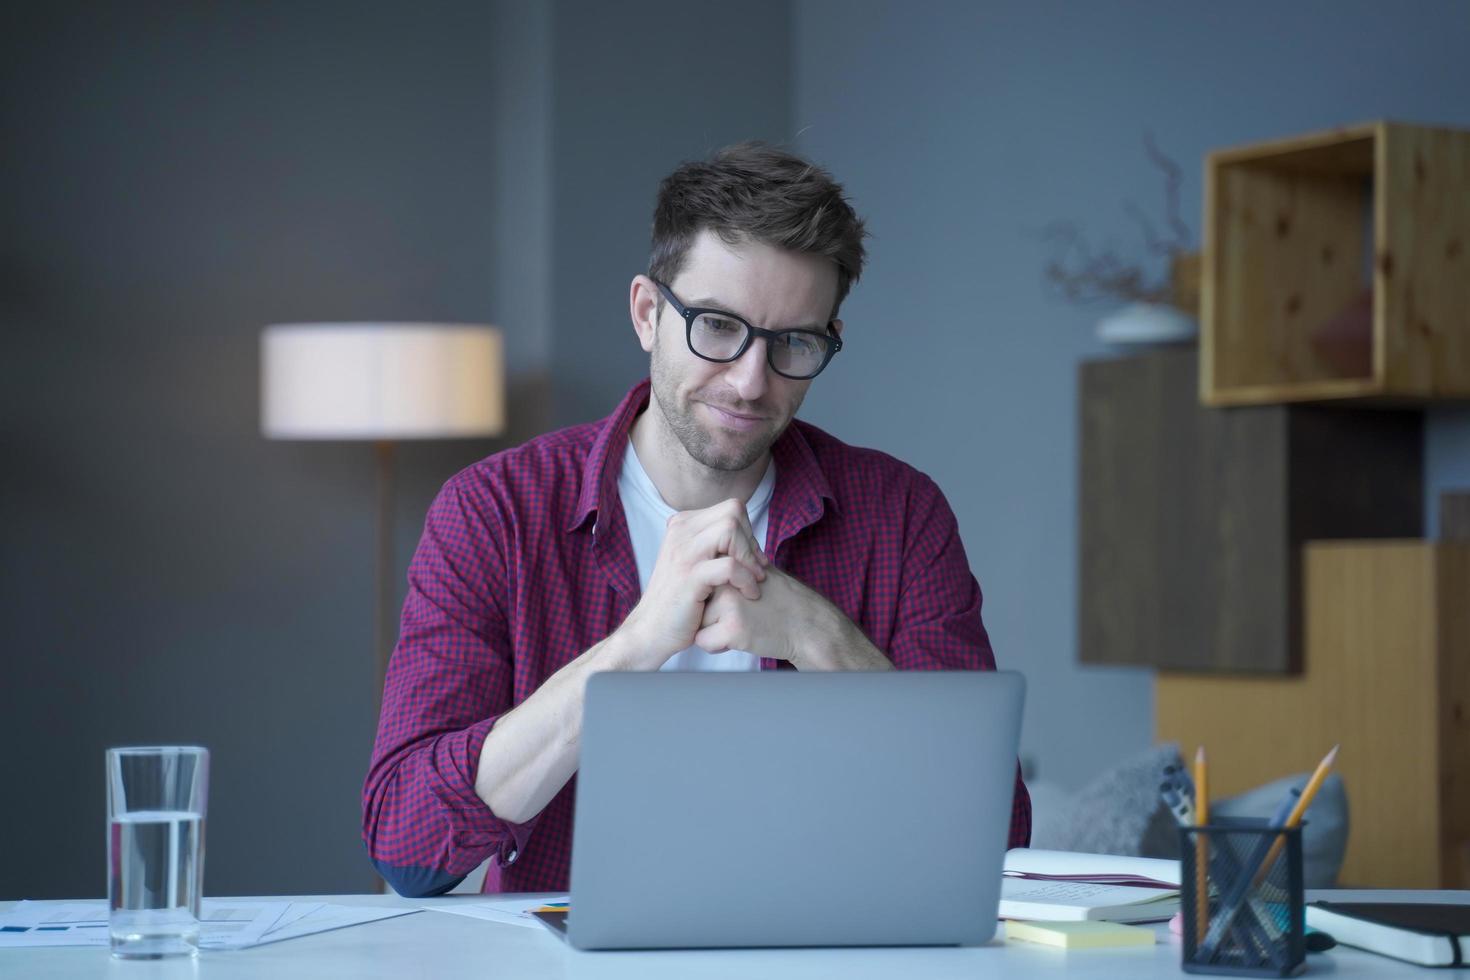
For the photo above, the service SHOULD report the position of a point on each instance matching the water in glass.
(156, 857)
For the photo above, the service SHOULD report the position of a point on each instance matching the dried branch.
(1084, 275)
(1173, 178)
(1151, 238)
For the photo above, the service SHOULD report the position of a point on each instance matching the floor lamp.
(381, 383)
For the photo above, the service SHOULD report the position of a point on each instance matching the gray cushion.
(1120, 812)
(1325, 827)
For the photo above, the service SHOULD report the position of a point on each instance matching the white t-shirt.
(648, 516)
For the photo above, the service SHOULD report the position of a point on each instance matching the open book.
(1067, 886)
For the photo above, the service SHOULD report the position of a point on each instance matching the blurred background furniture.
(1268, 555)
(381, 382)
(1292, 228)
(1192, 519)
(1387, 675)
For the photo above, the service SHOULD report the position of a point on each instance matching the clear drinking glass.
(155, 849)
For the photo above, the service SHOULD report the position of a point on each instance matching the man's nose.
(747, 374)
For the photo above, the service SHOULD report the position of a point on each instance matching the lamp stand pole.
(382, 606)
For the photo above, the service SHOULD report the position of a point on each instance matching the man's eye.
(720, 325)
(797, 343)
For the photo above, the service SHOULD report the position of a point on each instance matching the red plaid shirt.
(525, 563)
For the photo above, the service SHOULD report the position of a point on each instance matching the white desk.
(434, 945)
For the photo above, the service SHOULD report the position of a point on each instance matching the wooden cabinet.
(1192, 520)
(1387, 675)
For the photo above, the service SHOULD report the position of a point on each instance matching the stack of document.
(1061, 886)
(510, 912)
(224, 923)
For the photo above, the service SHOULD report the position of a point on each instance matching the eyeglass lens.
(719, 338)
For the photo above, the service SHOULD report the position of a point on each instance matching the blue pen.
(1179, 776)
(1181, 806)
(1233, 903)
(1179, 799)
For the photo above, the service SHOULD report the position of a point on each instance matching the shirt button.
(512, 858)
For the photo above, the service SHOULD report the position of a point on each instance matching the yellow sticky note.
(1079, 935)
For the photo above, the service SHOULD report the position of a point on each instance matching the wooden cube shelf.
(1337, 267)
(1387, 676)
(1191, 520)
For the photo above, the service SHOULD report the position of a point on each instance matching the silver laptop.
(790, 809)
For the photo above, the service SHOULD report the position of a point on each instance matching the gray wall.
(963, 129)
(1446, 460)
(638, 88)
(175, 177)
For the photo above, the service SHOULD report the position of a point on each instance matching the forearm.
(532, 751)
(836, 643)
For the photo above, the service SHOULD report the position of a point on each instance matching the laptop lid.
(792, 809)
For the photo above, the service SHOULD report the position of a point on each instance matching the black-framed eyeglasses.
(723, 337)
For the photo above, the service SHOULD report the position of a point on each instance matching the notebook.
(1066, 886)
(1429, 934)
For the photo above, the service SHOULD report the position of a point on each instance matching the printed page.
(46, 924)
(1079, 894)
(225, 924)
(324, 918)
(1028, 860)
(234, 924)
(511, 912)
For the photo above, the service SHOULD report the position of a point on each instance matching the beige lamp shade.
(383, 381)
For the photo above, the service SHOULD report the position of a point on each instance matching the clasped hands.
(713, 586)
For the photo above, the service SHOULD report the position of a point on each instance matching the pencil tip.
(1199, 754)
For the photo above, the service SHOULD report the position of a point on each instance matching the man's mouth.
(731, 419)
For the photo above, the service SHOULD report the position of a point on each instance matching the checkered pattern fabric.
(525, 563)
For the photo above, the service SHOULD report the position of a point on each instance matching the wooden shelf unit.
(1297, 233)
(1387, 676)
(1191, 520)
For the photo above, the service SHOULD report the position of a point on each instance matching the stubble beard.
(694, 437)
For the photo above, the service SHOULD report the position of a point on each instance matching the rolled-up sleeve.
(449, 680)
(938, 625)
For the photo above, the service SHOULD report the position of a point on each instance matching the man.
(698, 528)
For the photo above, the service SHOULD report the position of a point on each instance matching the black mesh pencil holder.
(1249, 919)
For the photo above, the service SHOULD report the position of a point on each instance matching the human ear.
(837, 327)
(643, 307)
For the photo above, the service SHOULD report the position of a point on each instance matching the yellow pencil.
(1309, 791)
(1201, 846)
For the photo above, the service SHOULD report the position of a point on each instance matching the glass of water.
(155, 849)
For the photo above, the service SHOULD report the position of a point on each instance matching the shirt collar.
(599, 480)
(801, 487)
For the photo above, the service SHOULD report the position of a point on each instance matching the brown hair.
(755, 192)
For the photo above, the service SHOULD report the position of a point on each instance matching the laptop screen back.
(791, 809)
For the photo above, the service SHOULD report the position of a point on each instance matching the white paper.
(1080, 893)
(324, 918)
(295, 913)
(512, 912)
(228, 924)
(47, 924)
(224, 924)
(1029, 860)
(1071, 900)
